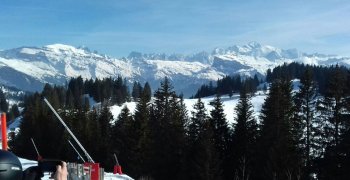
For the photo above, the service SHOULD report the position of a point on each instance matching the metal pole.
(36, 149)
(69, 131)
(116, 159)
(76, 151)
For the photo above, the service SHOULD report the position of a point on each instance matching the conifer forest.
(300, 134)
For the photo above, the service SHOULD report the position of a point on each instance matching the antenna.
(69, 131)
(36, 149)
(76, 151)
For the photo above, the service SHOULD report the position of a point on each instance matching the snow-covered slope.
(229, 105)
(28, 68)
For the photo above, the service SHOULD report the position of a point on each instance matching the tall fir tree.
(104, 154)
(199, 116)
(244, 138)
(278, 156)
(203, 162)
(332, 110)
(123, 140)
(136, 90)
(221, 131)
(305, 101)
(147, 91)
(143, 140)
(166, 157)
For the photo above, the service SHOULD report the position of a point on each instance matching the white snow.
(107, 176)
(58, 48)
(36, 69)
(115, 110)
(30, 51)
(64, 61)
(229, 106)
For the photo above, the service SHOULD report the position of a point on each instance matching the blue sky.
(117, 27)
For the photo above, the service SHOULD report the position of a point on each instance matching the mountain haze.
(29, 68)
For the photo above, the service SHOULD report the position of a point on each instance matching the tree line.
(228, 85)
(321, 74)
(298, 135)
(90, 122)
(12, 111)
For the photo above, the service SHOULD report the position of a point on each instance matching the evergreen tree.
(177, 133)
(124, 141)
(105, 119)
(21, 144)
(94, 136)
(203, 160)
(147, 92)
(14, 112)
(305, 101)
(3, 102)
(268, 75)
(136, 90)
(142, 138)
(221, 134)
(334, 115)
(207, 162)
(278, 156)
(244, 138)
(199, 116)
(165, 127)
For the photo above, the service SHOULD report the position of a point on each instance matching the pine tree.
(177, 133)
(203, 162)
(136, 90)
(244, 138)
(147, 92)
(305, 101)
(21, 145)
(335, 98)
(105, 117)
(278, 156)
(334, 115)
(123, 140)
(143, 141)
(221, 134)
(14, 112)
(207, 162)
(3, 102)
(93, 134)
(165, 128)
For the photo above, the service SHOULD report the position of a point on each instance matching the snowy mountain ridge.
(28, 68)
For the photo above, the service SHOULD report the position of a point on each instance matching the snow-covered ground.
(107, 176)
(229, 105)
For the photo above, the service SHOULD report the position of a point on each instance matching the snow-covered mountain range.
(28, 68)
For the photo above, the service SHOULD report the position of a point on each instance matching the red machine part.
(4, 131)
(117, 169)
(95, 170)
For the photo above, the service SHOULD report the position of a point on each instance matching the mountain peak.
(254, 44)
(61, 47)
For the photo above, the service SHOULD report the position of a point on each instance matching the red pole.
(4, 131)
